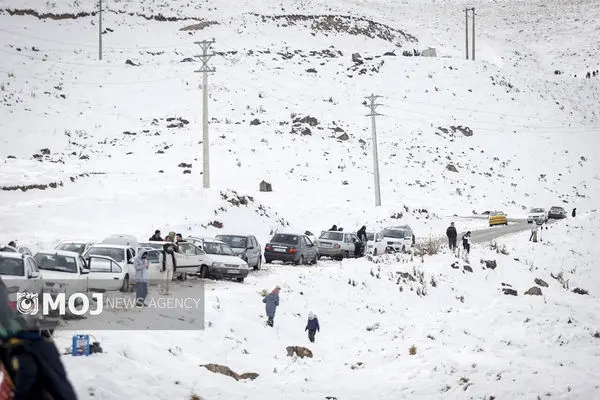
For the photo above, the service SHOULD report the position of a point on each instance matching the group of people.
(171, 237)
(359, 246)
(271, 301)
(30, 362)
(452, 235)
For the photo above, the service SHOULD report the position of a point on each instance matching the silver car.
(337, 245)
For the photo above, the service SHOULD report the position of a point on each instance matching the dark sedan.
(295, 248)
(557, 213)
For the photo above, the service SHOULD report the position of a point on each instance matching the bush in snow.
(430, 247)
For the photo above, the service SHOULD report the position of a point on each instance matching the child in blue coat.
(312, 326)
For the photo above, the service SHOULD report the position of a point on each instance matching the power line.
(372, 105)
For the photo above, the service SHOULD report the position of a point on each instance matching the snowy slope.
(110, 144)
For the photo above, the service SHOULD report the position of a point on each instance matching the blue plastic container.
(81, 345)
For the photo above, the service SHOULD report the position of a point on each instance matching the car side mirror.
(84, 271)
(130, 261)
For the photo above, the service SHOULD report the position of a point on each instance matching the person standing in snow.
(452, 235)
(312, 326)
(141, 265)
(271, 303)
(574, 212)
(333, 228)
(466, 239)
(168, 267)
(156, 237)
(362, 243)
(534, 231)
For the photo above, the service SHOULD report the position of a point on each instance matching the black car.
(290, 247)
(557, 213)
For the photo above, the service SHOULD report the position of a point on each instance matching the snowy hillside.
(111, 117)
(92, 147)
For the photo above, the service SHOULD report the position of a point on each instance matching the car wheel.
(347, 254)
(314, 261)
(240, 280)
(268, 261)
(375, 252)
(257, 266)
(300, 261)
(125, 287)
(403, 248)
(204, 271)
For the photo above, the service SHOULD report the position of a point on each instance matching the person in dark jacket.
(362, 234)
(30, 358)
(169, 265)
(452, 235)
(360, 245)
(574, 212)
(178, 238)
(156, 237)
(312, 326)
(466, 239)
(271, 303)
(333, 228)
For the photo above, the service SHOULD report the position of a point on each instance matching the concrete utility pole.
(372, 98)
(205, 70)
(467, 32)
(473, 51)
(100, 29)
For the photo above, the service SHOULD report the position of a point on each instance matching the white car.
(375, 244)
(398, 238)
(123, 255)
(221, 260)
(21, 271)
(188, 256)
(78, 246)
(538, 215)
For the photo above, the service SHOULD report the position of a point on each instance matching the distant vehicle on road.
(557, 212)
(291, 247)
(497, 218)
(538, 215)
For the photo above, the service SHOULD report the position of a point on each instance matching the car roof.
(300, 234)
(76, 241)
(59, 252)
(233, 234)
(205, 239)
(112, 246)
(11, 254)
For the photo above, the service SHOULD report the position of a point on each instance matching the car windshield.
(237, 242)
(74, 247)
(332, 235)
(537, 210)
(116, 254)
(12, 266)
(157, 246)
(396, 233)
(557, 208)
(370, 237)
(217, 248)
(56, 262)
(285, 239)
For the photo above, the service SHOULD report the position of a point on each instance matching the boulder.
(255, 121)
(344, 136)
(298, 351)
(490, 264)
(357, 59)
(224, 370)
(580, 291)
(468, 268)
(534, 291)
(540, 282)
(451, 168)
(509, 291)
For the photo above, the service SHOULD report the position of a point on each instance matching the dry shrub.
(412, 350)
(429, 247)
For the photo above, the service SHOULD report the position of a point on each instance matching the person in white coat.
(168, 267)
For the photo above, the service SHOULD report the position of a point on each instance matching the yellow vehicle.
(497, 218)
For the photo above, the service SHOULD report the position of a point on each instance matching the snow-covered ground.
(89, 148)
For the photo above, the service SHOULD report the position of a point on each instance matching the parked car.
(538, 215)
(557, 212)
(188, 256)
(497, 218)
(220, 261)
(78, 246)
(246, 247)
(291, 247)
(398, 238)
(18, 249)
(337, 245)
(375, 244)
(122, 254)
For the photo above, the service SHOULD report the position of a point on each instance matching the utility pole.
(205, 44)
(467, 32)
(373, 114)
(100, 29)
(473, 51)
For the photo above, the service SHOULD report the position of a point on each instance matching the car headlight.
(217, 264)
